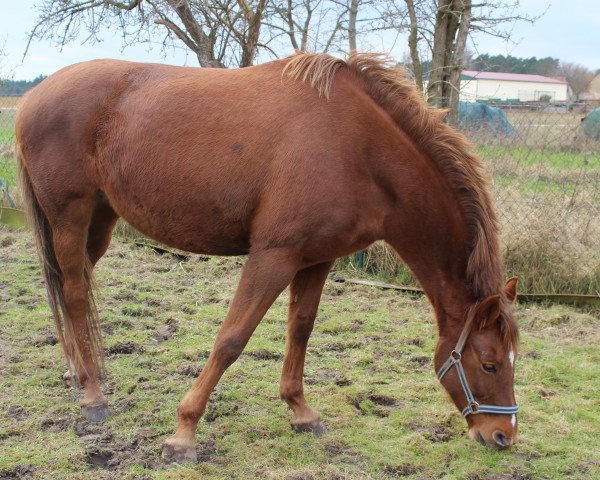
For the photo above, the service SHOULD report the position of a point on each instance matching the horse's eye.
(489, 367)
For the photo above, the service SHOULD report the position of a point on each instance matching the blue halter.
(454, 360)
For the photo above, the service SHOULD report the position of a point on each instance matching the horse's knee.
(302, 328)
(228, 348)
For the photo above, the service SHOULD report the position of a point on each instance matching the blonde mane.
(393, 91)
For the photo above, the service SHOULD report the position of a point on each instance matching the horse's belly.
(185, 219)
(200, 233)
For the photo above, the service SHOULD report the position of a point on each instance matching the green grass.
(525, 156)
(540, 186)
(7, 125)
(8, 172)
(367, 343)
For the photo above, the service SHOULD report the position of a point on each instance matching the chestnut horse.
(294, 163)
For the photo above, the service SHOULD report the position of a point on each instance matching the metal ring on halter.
(456, 356)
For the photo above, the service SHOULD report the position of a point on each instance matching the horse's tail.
(54, 284)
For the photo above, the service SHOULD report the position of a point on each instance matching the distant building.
(511, 88)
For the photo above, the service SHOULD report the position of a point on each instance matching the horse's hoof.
(176, 451)
(316, 428)
(95, 413)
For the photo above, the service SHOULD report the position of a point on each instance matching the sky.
(569, 30)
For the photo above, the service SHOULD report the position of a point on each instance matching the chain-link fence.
(8, 176)
(546, 173)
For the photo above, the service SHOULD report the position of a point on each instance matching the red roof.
(513, 77)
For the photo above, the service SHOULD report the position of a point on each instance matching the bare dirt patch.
(190, 370)
(264, 355)
(56, 424)
(165, 332)
(124, 348)
(327, 377)
(374, 404)
(402, 470)
(16, 412)
(20, 471)
(437, 432)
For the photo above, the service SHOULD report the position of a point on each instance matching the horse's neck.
(428, 229)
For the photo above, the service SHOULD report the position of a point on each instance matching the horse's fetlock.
(290, 391)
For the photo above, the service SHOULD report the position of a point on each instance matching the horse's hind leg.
(73, 237)
(264, 277)
(99, 234)
(100, 230)
(305, 293)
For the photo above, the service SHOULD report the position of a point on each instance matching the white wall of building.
(480, 89)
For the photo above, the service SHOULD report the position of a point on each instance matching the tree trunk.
(251, 42)
(193, 37)
(352, 15)
(413, 44)
(438, 56)
(452, 25)
(254, 21)
(458, 60)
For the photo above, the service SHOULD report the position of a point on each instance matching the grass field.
(8, 107)
(368, 371)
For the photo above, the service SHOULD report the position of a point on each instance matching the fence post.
(360, 260)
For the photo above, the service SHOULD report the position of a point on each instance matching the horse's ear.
(488, 311)
(510, 289)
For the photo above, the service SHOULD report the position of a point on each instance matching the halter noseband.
(455, 360)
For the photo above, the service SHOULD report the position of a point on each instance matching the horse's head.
(477, 368)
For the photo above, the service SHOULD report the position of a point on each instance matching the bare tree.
(352, 19)
(578, 76)
(316, 25)
(306, 24)
(438, 31)
(452, 24)
(413, 44)
(220, 33)
(360, 18)
(242, 20)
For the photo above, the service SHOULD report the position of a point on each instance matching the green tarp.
(478, 116)
(590, 125)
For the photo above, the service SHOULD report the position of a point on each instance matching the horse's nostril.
(501, 440)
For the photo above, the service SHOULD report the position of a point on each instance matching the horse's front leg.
(305, 293)
(264, 277)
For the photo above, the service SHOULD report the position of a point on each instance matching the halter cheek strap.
(455, 361)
